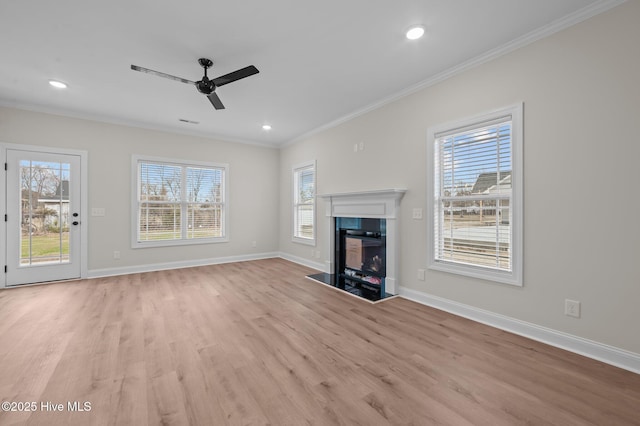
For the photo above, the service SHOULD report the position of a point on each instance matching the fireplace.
(363, 232)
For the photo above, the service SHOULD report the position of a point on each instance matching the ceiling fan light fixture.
(57, 84)
(415, 32)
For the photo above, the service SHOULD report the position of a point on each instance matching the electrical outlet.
(421, 274)
(572, 308)
(417, 213)
(361, 146)
(116, 255)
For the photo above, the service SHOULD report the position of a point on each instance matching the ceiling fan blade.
(161, 74)
(236, 75)
(215, 100)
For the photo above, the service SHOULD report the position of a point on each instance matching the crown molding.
(130, 123)
(515, 44)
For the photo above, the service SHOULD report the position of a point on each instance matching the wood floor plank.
(238, 405)
(257, 343)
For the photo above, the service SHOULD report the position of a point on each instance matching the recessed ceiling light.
(415, 32)
(266, 127)
(57, 84)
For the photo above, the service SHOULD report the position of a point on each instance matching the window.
(304, 203)
(178, 202)
(475, 196)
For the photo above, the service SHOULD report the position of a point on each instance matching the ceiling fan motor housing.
(205, 85)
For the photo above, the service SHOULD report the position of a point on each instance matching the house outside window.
(304, 203)
(178, 202)
(475, 196)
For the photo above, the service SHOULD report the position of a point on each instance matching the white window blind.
(304, 178)
(179, 202)
(476, 220)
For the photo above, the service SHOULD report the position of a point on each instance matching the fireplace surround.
(365, 207)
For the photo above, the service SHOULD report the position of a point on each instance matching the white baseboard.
(302, 261)
(599, 351)
(107, 272)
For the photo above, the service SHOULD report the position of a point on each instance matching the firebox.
(361, 260)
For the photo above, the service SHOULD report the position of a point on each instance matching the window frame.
(296, 169)
(515, 276)
(136, 160)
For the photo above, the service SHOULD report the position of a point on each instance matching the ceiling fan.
(205, 85)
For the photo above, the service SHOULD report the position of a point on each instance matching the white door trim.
(84, 202)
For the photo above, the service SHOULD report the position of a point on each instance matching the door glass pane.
(44, 211)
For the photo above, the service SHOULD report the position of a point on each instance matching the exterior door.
(43, 217)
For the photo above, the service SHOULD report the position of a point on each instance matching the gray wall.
(581, 94)
(253, 185)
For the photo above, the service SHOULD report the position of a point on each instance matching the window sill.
(305, 241)
(171, 243)
(511, 278)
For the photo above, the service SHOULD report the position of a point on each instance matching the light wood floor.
(256, 343)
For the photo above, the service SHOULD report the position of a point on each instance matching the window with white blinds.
(304, 202)
(178, 203)
(476, 197)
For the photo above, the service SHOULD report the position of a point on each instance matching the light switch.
(97, 211)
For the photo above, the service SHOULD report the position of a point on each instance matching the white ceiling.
(319, 62)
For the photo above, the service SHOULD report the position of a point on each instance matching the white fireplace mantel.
(381, 204)
(377, 204)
